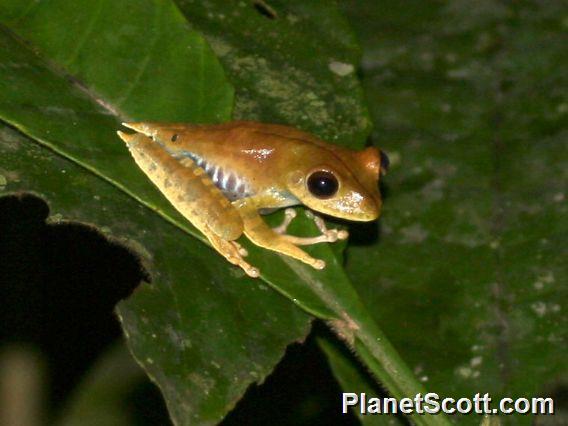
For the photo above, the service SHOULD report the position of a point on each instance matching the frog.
(223, 177)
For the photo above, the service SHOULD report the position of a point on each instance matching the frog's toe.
(242, 251)
(333, 235)
(252, 272)
(318, 264)
(328, 235)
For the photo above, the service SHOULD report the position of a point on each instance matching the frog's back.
(244, 158)
(241, 158)
(248, 133)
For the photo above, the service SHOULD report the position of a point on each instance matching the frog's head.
(341, 183)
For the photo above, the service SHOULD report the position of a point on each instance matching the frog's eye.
(385, 162)
(322, 184)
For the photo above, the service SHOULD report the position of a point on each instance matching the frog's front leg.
(263, 236)
(289, 215)
(327, 235)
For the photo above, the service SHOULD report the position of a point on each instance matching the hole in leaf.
(265, 9)
(300, 390)
(59, 284)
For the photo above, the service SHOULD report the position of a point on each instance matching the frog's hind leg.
(262, 235)
(233, 252)
(193, 194)
(327, 235)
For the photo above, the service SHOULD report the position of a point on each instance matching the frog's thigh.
(209, 206)
(262, 235)
(193, 194)
(187, 187)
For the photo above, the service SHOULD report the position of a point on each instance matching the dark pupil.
(322, 184)
(385, 163)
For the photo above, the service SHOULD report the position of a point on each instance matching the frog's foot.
(327, 235)
(234, 253)
(242, 251)
(263, 236)
(289, 215)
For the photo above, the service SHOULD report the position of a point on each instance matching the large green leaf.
(71, 73)
(201, 330)
(469, 275)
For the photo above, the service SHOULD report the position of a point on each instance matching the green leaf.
(291, 62)
(468, 276)
(201, 330)
(132, 58)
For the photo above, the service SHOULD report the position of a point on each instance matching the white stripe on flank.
(239, 188)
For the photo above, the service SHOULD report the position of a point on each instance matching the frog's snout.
(371, 209)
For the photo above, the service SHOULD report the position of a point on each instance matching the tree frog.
(222, 177)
